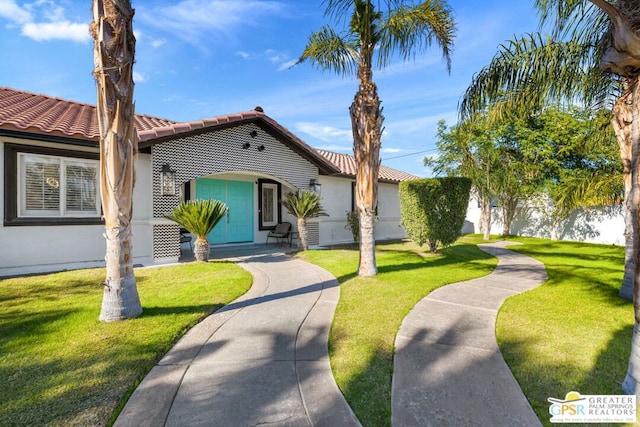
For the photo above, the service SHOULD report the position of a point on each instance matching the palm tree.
(402, 28)
(588, 37)
(114, 51)
(303, 204)
(199, 217)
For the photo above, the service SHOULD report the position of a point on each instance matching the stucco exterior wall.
(596, 225)
(336, 199)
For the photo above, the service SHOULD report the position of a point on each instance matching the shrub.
(353, 225)
(433, 209)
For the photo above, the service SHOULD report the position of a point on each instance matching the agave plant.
(199, 217)
(303, 204)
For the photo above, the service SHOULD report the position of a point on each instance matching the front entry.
(237, 226)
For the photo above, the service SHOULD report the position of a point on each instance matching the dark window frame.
(279, 197)
(11, 216)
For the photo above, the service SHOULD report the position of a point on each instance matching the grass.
(60, 366)
(573, 333)
(371, 310)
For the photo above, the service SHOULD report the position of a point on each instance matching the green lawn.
(371, 310)
(60, 366)
(572, 333)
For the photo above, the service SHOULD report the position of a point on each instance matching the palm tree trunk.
(303, 235)
(485, 217)
(621, 122)
(366, 118)
(114, 51)
(627, 115)
(201, 249)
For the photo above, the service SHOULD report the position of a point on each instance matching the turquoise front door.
(237, 226)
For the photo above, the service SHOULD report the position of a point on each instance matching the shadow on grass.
(540, 380)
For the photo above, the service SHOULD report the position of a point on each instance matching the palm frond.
(532, 70)
(304, 204)
(199, 217)
(329, 51)
(412, 29)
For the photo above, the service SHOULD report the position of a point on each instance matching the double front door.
(237, 225)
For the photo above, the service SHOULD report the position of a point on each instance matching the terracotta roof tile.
(347, 166)
(40, 114)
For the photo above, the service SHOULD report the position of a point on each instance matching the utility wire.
(410, 154)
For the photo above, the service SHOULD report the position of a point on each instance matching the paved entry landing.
(262, 360)
(448, 369)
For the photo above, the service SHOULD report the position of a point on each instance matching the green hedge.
(433, 209)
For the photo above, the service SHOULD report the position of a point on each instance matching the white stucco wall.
(596, 225)
(336, 199)
(35, 249)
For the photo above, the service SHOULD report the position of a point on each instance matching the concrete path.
(448, 370)
(258, 361)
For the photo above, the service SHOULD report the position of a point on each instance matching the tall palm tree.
(593, 56)
(303, 204)
(114, 51)
(398, 28)
(199, 217)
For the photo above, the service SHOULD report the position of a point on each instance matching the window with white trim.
(52, 186)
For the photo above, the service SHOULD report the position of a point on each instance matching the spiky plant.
(199, 217)
(303, 204)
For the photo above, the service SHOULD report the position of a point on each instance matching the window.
(51, 186)
(269, 193)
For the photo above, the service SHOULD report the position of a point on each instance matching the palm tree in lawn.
(303, 204)
(593, 57)
(199, 217)
(401, 27)
(114, 51)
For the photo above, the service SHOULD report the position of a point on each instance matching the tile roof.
(41, 114)
(347, 166)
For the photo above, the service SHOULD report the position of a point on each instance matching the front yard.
(60, 366)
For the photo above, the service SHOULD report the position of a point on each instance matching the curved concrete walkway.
(261, 360)
(448, 369)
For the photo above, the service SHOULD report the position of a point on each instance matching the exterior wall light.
(167, 181)
(315, 186)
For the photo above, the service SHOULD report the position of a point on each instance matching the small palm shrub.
(303, 204)
(199, 217)
(353, 225)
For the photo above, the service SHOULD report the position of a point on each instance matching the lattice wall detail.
(166, 241)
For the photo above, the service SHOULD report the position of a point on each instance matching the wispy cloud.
(287, 65)
(139, 77)
(43, 21)
(242, 54)
(196, 20)
(62, 30)
(325, 133)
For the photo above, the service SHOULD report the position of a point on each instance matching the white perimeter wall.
(595, 225)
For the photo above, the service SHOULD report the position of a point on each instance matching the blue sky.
(205, 58)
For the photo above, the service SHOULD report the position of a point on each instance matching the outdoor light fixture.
(167, 181)
(246, 146)
(314, 185)
(261, 148)
(253, 133)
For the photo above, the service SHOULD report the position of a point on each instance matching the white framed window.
(52, 186)
(269, 205)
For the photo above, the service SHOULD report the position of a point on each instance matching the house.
(51, 205)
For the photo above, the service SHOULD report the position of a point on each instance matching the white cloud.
(139, 77)
(197, 20)
(391, 150)
(158, 42)
(11, 11)
(287, 65)
(243, 54)
(325, 133)
(63, 30)
(43, 21)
